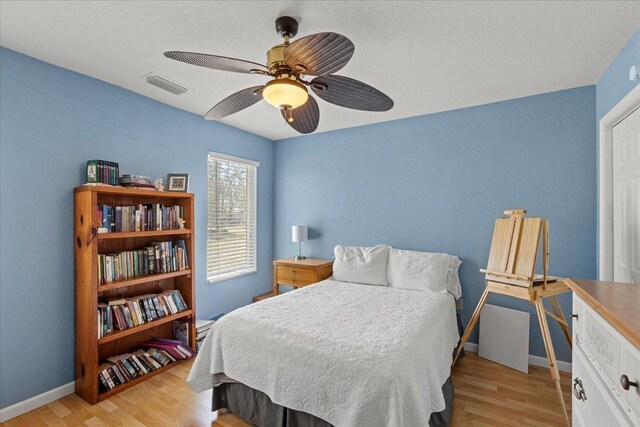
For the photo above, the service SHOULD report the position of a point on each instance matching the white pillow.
(424, 271)
(361, 265)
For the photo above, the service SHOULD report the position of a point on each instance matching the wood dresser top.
(308, 262)
(617, 303)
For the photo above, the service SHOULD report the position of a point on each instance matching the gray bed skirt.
(257, 408)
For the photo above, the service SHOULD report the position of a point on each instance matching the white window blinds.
(231, 217)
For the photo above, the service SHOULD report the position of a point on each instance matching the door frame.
(605, 180)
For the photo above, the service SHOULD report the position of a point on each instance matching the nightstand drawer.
(295, 276)
(299, 272)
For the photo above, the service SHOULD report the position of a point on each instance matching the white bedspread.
(351, 354)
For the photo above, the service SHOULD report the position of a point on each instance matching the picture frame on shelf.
(178, 182)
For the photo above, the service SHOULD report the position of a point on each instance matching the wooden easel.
(511, 271)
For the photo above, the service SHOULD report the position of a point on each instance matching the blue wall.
(614, 83)
(437, 183)
(51, 122)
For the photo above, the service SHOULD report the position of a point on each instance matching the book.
(136, 181)
(158, 356)
(105, 377)
(118, 374)
(147, 360)
(159, 309)
(203, 325)
(179, 344)
(134, 365)
(105, 320)
(127, 316)
(128, 372)
(181, 332)
(92, 172)
(169, 348)
(167, 355)
(103, 382)
(102, 172)
(140, 358)
(137, 361)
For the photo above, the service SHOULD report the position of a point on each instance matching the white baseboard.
(36, 401)
(533, 360)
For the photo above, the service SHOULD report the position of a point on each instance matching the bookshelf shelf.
(122, 191)
(116, 335)
(141, 280)
(91, 351)
(154, 233)
(103, 395)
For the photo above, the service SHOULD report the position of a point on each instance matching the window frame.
(252, 194)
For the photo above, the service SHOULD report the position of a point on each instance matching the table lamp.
(299, 234)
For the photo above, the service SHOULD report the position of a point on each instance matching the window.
(231, 217)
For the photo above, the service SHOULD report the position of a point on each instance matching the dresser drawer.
(610, 356)
(630, 366)
(295, 275)
(597, 407)
(600, 341)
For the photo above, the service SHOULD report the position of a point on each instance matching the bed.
(334, 353)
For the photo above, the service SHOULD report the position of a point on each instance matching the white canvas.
(504, 337)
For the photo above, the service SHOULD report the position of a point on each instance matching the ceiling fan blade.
(217, 62)
(319, 54)
(305, 118)
(236, 102)
(350, 93)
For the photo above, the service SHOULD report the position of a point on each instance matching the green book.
(92, 172)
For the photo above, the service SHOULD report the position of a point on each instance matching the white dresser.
(606, 353)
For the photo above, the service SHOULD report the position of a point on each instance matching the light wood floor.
(486, 394)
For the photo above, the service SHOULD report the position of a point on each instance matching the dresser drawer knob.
(625, 383)
(574, 316)
(578, 390)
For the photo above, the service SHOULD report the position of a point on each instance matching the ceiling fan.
(288, 64)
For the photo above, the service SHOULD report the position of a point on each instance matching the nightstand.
(299, 273)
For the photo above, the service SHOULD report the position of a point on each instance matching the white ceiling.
(428, 56)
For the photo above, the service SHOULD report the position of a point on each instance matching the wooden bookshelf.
(148, 234)
(115, 335)
(142, 279)
(88, 244)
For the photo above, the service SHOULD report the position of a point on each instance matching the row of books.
(202, 329)
(136, 181)
(125, 313)
(102, 171)
(125, 367)
(155, 258)
(141, 217)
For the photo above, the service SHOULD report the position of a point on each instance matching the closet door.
(626, 199)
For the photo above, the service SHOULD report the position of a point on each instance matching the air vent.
(166, 84)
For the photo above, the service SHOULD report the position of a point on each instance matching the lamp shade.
(634, 72)
(299, 233)
(285, 93)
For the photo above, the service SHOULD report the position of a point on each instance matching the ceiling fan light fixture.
(285, 93)
(319, 55)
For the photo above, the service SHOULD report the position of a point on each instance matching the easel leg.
(471, 325)
(551, 356)
(557, 310)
